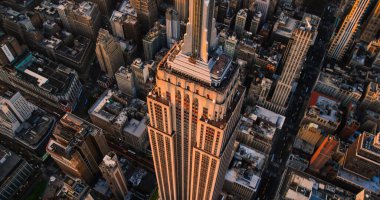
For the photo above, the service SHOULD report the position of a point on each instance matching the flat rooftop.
(52, 77)
(246, 167)
(302, 186)
(370, 185)
(36, 129)
(324, 107)
(121, 111)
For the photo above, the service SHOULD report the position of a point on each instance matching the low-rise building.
(301, 186)
(244, 175)
(297, 162)
(124, 119)
(45, 80)
(324, 111)
(257, 128)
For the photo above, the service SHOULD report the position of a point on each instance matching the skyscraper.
(193, 110)
(77, 147)
(109, 53)
(263, 7)
(105, 6)
(241, 19)
(298, 46)
(255, 22)
(343, 38)
(182, 6)
(83, 19)
(372, 28)
(14, 110)
(146, 12)
(114, 176)
(173, 33)
(230, 46)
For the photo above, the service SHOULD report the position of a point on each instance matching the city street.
(283, 140)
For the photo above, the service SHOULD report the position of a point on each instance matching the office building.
(200, 37)
(154, 40)
(243, 178)
(75, 52)
(147, 13)
(323, 153)
(302, 38)
(263, 6)
(14, 175)
(47, 81)
(302, 186)
(109, 53)
(344, 37)
(173, 32)
(241, 19)
(334, 84)
(121, 19)
(105, 6)
(111, 171)
(24, 123)
(371, 28)
(82, 19)
(363, 156)
(78, 147)
(182, 7)
(255, 23)
(140, 71)
(10, 50)
(16, 24)
(193, 112)
(230, 46)
(125, 81)
(132, 29)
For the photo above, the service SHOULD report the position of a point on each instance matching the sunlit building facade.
(194, 109)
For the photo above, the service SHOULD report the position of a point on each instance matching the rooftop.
(368, 184)
(121, 111)
(258, 120)
(69, 132)
(44, 73)
(36, 129)
(246, 167)
(302, 186)
(8, 162)
(324, 107)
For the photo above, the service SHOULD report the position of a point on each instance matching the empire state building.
(194, 109)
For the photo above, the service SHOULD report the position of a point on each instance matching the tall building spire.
(200, 35)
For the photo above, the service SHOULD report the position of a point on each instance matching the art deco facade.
(173, 32)
(194, 109)
(182, 6)
(302, 38)
(343, 38)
